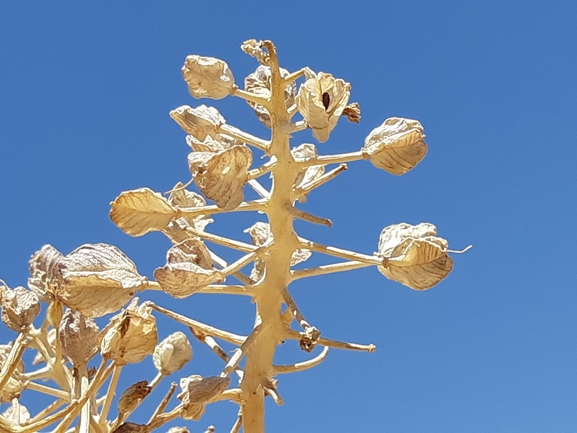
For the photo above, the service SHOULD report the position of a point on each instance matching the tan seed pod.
(178, 430)
(96, 279)
(207, 77)
(209, 144)
(188, 269)
(130, 335)
(221, 176)
(133, 396)
(417, 257)
(201, 122)
(259, 83)
(131, 427)
(78, 335)
(305, 152)
(321, 101)
(41, 264)
(197, 391)
(19, 308)
(140, 211)
(396, 146)
(181, 198)
(353, 112)
(18, 413)
(172, 353)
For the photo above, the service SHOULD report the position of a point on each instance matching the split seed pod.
(197, 391)
(396, 146)
(129, 336)
(133, 396)
(19, 308)
(188, 269)
(321, 101)
(182, 198)
(416, 257)
(78, 335)
(201, 122)
(41, 265)
(207, 77)
(96, 279)
(172, 353)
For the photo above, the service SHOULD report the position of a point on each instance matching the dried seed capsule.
(19, 308)
(131, 427)
(304, 152)
(207, 77)
(130, 335)
(41, 265)
(321, 101)
(172, 353)
(78, 335)
(416, 257)
(133, 396)
(197, 391)
(396, 146)
(201, 121)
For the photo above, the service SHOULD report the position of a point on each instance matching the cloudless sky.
(85, 91)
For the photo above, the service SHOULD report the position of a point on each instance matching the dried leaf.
(78, 335)
(172, 353)
(207, 77)
(321, 101)
(130, 335)
(305, 152)
(201, 122)
(19, 308)
(96, 279)
(259, 83)
(417, 257)
(41, 264)
(396, 146)
(133, 396)
(140, 211)
(188, 269)
(221, 176)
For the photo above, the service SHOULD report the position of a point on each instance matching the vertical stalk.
(268, 298)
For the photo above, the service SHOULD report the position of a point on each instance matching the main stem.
(268, 298)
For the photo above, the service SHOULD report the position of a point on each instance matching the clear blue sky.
(85, 91)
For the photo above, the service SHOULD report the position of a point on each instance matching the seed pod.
(182, 198)
(259, 83)
(321, 101)
(131, 427)
(416, 257)
(201, 121)
(78, 335)
(221, 176)
(133, 396)
(207, 77)
(41, 264)
(305, 152)
(172, 353)
(197, 391)
(396, 146)
(96, 279)
(188, 269)
(178, 430)
(19, 308)
(130, 335)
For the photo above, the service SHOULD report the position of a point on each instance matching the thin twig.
(328, 269)
(110, 393)
(300, 366)
(302, 192)
(295, 335)
(343, 254)
(305, 216)
(245, 137)
(163, 403)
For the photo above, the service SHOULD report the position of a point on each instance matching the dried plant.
(98, 280)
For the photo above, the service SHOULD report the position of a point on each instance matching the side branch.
(301, 366)
(328, 269)
(245, 137)
(341, 253)
(297, 336)
(332, 159)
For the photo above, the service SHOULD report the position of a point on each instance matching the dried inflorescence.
(98, 280)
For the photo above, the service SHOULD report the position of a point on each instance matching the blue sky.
(85, 91)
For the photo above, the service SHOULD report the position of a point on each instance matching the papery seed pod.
(321, 101)
(172, 353)
(197, 391)
(396, 146)
(133, 396)
(188, 269)
(15, 385)
(131, 427)
(416, 257)
(130, 335)
(201, 121)
(182, 198)
(259, 83)
(51, 339)
(221, 176)
(41, 264)
(207, 77)
(19, 308)
(78, 335)
(96, 279)
(305, 152)
(178, 430)
(140, 211)
(18, 413)
(254, 48)
(209, 144)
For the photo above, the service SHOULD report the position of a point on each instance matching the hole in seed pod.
(326, 100)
